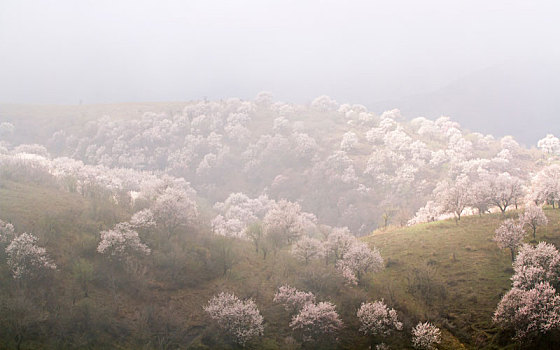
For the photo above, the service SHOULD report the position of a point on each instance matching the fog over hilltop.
(514, 98)
(363, 52)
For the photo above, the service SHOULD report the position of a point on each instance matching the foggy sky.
(355, 51)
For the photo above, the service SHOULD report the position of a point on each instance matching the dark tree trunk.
(535, 232)
(19, 339)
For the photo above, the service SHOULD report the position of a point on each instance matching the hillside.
(231, 223)
(343, 163)
(452, 275)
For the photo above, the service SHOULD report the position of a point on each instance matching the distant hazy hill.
(520, 99)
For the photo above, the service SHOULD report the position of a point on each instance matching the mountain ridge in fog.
(514, 98)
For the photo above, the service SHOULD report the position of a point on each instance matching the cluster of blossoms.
(377, 319)
(240, 319)
(237, 212)
(121, 242)
(425, 336)
(7, 232)
(358, 260)
(545, 186)
(26, 259)
(317, 321)
(122, 184)
(314, 321)
(308, 248)
(533, 216)
(143, 219)
(509, 235)
(287, 221)
(550, 145)
(532, 306)
(292, 298)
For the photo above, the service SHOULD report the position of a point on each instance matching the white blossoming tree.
(317, 322)
(143, 219)
(7, 232)
(529, 312)
(174, 208)
(26, 259)
(505, 190)
(307, 249)
(545, 185)
(454, 197)
(359, 260)
(285, 222)
(533, 216)
(121, 242)
(550, 145)
(532, 306)
(376, 319)
(349, 141)
(425, 336)
(338, 243)
(292, 298)
(536, 264)
(509, 235)
(239, 319)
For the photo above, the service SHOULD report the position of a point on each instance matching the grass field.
(468, 272)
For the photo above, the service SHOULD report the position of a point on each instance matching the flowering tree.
(532, 306)
(174, 208)
(239, 213)
(376, 319)
(428, 213)
(292, 298)
(550, 145)
(239, 319)
(143, 219)
(324, 103)
(349, 141)
(509, 235)
(505, 190)
(307, 248)
(285, 222)
(534, 217)
(317, 322)
(359, 260)
(545, 185)
(121, 242)
(305, 146)
(339, 242)
(425, 336)
(536, 264)
(454, 197)
(481, 196)
(6, 232)
(529, 311)
(26, 259)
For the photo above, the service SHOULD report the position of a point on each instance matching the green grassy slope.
(467, 272)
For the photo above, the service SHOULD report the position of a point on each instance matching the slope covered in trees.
(449, 274)
(343, 163)
(236, 224)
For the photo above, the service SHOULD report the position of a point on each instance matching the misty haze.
(279, 175)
